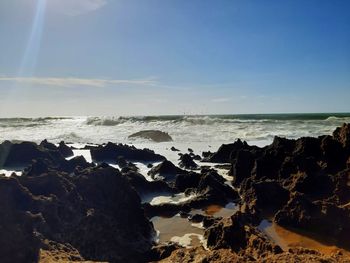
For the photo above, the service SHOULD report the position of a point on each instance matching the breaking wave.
(216, 119)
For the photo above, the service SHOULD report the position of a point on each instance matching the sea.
(196, 131)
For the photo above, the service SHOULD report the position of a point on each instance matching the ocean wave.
(187, 120)
(28, 122)
(338, 119)
(68, 137)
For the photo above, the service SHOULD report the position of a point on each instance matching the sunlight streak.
(30, 57)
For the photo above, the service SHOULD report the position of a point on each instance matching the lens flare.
(30, 57)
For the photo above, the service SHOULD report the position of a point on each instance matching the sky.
(155, 57)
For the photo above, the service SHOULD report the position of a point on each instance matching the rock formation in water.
(153, 135)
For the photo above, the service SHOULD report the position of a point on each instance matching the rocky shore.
(63, 208)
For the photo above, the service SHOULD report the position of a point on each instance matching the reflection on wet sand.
(287, 238)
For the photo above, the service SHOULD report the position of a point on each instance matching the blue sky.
(128, 57)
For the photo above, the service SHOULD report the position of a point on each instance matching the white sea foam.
(187, 131)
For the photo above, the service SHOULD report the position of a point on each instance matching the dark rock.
(223, 155)
(206, 155)
(187, 180)
(121, 162)
(314, 185)
(154, 135)
(334, 156)
(21, 154)
(76, 163)
(166, 170)
(342, 134)
(236, 234)
(111, 151)
(162, 251)
(97, 204)
(48, 145)
(213, 187)
(190, 150)
(242, 166)
(126, 166)
(196, 218)
(144, 187)
(65, 150)
(115, 206)
(267, 166)
(307, 146)
(264, 196)
(187, 162)
(37, 167)
(149, 165)
(174, 149)
(17, 240)
(41, 166)
(197, 157)
(342, 187)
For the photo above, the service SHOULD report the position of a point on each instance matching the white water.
(188, 131)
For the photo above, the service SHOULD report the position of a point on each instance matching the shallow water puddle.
(217, 210)
(286, 239)
(179, 230)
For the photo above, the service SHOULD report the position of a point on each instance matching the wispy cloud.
(221, 100)
(76, 7)
(75, 82)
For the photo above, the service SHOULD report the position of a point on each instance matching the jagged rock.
(111, 151)
(186, 181)
(97, 204)
(334, 156)
(174, 149)
(213, 187)
(197, 157)
(144, 187)
(314, 185)
(187, 162)
(166, 170)
(126, 166)
(236, 234)
(242, 166)
(342, 134)
(65, 150)
(21, 154)
(307, 146)
(225, 152)
(17, 240)
(267, 166)
(154, 135)
(41, 166)
(206, 155)
(48, 145)
(162, 251)
(264, 196)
